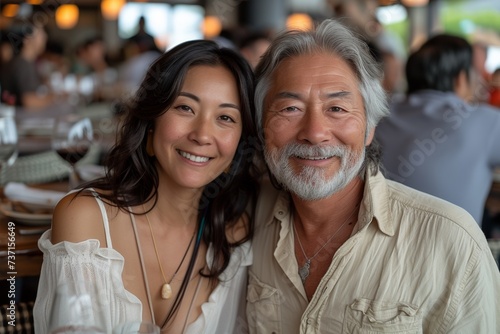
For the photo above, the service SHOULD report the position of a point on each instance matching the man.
(253, 46)
(143, 40)
(434, 140)
(341, 249)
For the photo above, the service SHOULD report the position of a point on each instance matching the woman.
(174, 202)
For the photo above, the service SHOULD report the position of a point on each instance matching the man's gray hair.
(332, 37)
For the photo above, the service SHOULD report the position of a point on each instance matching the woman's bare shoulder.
(77, 217)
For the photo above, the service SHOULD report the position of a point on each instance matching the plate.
(38, 208)
(25, 218)
(24, 198)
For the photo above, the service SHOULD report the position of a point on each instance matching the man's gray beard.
(311, 183)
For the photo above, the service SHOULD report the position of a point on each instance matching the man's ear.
(461, 85)
(369, 136)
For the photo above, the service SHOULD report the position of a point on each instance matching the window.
(168, 24)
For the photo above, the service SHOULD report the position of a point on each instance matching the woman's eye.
(184, 107)
(226, 118)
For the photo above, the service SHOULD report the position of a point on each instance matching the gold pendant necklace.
(166, 288)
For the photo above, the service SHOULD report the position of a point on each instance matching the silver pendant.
(304, 270)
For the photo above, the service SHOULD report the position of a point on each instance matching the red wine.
(72, 155)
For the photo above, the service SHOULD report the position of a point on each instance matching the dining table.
(35, 126)
(19, 253)
(37, 160)
(20, 257)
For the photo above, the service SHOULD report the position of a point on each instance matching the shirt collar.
(281, 207)
(375, 204)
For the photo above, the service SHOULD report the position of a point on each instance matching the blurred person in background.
(253, 46)
(91, 56)
(142, 39)
(138, 57)
(481, 77)
(52, 61)
(494, 98)
(434, 140)
(391, 68)
(360, 16)
(20, 81)
(6, 50)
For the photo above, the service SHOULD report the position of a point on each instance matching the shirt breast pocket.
(371, 317)
(263, 307)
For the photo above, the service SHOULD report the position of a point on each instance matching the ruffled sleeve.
(68, 262)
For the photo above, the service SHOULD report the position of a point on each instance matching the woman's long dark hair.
(132, 178)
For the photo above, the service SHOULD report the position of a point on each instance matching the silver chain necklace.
(304, 270)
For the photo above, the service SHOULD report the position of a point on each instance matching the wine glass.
(71, 140)
(8, 136)
(76, 309)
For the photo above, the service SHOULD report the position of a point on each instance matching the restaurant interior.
(97, 51)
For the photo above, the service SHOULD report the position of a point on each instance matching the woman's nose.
(202, 132)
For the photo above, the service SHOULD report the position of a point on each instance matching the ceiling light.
(67, 16)
(110, 9)
(299, 21)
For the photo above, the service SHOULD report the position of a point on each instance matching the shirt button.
(281, 213)
(309, 321)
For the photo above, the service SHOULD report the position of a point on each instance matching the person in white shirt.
(338, 248)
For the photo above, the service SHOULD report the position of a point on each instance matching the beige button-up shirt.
(413, 264)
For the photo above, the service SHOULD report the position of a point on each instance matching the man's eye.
(290, 109)
(336, 109)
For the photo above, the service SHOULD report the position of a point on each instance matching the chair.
(18, 321)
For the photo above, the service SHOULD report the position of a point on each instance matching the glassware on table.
(71, 139)
(76, 309)
(8, 136)
(137, 328)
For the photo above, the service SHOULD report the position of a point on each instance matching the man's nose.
(314, 127)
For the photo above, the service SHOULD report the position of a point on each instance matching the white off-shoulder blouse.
(224, 312)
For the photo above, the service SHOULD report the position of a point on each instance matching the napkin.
(91, 172)
(19, 192)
